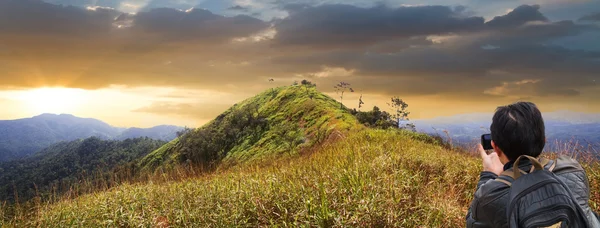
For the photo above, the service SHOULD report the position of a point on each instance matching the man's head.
(518, 129)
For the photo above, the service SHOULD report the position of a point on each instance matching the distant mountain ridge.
(23, 137)
(561, 126)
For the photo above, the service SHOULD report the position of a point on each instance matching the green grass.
(159, 156)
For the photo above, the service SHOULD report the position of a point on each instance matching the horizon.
(144, 63)
(438, 118)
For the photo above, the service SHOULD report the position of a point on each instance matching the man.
(517, 129)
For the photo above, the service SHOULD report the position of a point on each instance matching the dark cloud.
(196, 24)
(526, 25)
(40, 18)
(239, 8)
(517, 17)
(468, 70)
(346, 25)
(520, 52)
(85, 3)
(591, 17)
(537, 33)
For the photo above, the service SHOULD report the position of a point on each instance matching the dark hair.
(518, 129)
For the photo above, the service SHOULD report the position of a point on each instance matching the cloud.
(409, 51)
(591, 17)
(38, 18)
(196, 24)
(191, 110)
(239, 8)
(347, 25)
(98, 46)
(513, 89)
(327, 72)
(517, 17)
(467, 69)
(529, 88)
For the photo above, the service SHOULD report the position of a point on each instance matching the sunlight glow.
(52, 100)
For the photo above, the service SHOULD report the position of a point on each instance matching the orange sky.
(150, 106)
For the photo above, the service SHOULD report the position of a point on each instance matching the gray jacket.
(488, 208)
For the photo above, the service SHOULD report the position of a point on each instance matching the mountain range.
(561, 127)
(23, 137)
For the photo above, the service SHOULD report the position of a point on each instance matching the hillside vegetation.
(284, 120)
(68, 165)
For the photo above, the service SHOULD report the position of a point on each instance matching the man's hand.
(491, 162)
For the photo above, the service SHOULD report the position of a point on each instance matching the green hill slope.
(284, 120)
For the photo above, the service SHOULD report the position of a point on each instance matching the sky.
(140, 63)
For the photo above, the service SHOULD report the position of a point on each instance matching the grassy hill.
(285, 120)
(369, 179)
(363, 177)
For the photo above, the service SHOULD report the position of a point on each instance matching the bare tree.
(340, 89)
(271, 81)
(360, 102)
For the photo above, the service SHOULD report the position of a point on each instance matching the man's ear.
(500, 153)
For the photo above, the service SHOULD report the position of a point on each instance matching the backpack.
(541, 199)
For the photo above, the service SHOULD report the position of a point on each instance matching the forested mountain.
(65, 164)
(23, 137)
(162, 132)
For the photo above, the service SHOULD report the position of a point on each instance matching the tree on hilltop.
(308, 84)
(340, 89)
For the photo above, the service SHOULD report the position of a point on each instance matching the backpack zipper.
(546, 224)
(551, 222)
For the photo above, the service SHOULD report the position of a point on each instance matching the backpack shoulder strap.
(504, 176)
(509, 172)
(544, 162)
(504, 181)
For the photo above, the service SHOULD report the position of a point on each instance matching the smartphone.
(486, 141)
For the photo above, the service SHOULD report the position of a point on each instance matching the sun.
(52, 100)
